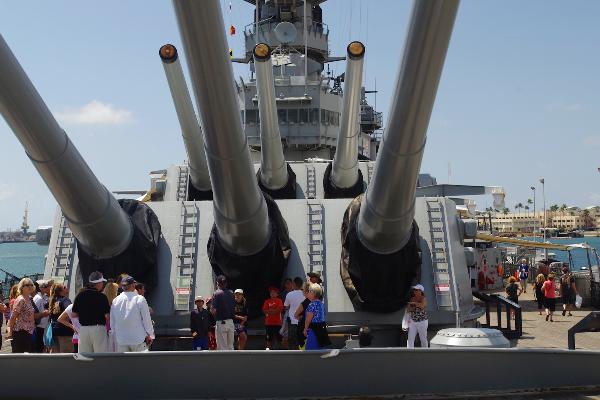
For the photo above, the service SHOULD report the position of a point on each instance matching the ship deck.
(537, 333)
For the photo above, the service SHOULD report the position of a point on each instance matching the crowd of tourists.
(294, 317)
(547, 291)
(114, 316)
(104, 317)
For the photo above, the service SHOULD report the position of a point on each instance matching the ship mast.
(25, 225)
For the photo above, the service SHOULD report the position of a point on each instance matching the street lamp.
(543, 182)
(534, 216)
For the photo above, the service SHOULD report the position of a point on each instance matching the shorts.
(550, 303)
(239, 328)
(567, 297)
(272, 332)
(514, 299)
(200, 343)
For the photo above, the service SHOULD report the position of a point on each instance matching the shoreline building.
(565, 219)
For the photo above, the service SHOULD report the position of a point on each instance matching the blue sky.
(518, 98)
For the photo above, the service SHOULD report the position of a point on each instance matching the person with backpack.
(568, 291)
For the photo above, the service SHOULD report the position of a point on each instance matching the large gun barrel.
(239, 206)
(94, 215)
(190, 129)
(344, 171)
(273, 168)
(387, 210)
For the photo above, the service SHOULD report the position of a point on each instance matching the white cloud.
(95, 113)
(6, 191)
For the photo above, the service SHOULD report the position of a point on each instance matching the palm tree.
(553, 209)
(588, 221)
(563, 208)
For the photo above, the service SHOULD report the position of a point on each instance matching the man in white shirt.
(130, 320)
(41, 300)
(292, 300)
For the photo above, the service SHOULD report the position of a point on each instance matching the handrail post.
(499, 313)
(519, 321)
(487, 313)
(508, 317)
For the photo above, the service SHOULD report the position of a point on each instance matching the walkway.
(541, 334)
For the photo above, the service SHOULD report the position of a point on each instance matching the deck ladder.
(64, 251)
(182, 183)
(186, 258)
(311, 182)
(439, 254)
(316, 238)
(370, 166)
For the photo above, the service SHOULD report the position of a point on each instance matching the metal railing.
(589, 323)
(269, 24)
(11, 279)
(510, 308)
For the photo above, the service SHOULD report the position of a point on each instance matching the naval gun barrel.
(190, 129)
(344, 170)
(240, 209)
(273, 168)
(102, 228)
(388, 207)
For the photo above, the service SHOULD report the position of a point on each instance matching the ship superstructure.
(309, 102)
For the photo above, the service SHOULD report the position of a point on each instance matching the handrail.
(11, 279)
(508, 332)
(589, 323)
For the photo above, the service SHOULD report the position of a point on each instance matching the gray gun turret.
(249, 242)
(275, 176)
(381, 232)
(345, 179)
(93, 214)
(190, 129)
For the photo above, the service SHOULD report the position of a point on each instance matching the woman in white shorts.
(418, 321)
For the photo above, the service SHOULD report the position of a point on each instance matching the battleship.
(285, 175)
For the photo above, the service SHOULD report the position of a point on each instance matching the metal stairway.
(439, 254)
(62, 264)
(316, 238)
(186, 258)
(182, 183)
(311, 182)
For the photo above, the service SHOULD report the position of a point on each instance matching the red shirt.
(549, 289)
(273, 305)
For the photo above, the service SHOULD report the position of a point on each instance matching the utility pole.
(534, 216)
(543, 182)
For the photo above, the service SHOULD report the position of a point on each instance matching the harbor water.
(578, 256)
(22, 258)
(29, 257)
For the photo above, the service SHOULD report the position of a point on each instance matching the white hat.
(420, 287)
(240, 291)
(96, 277)
(198, 298)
